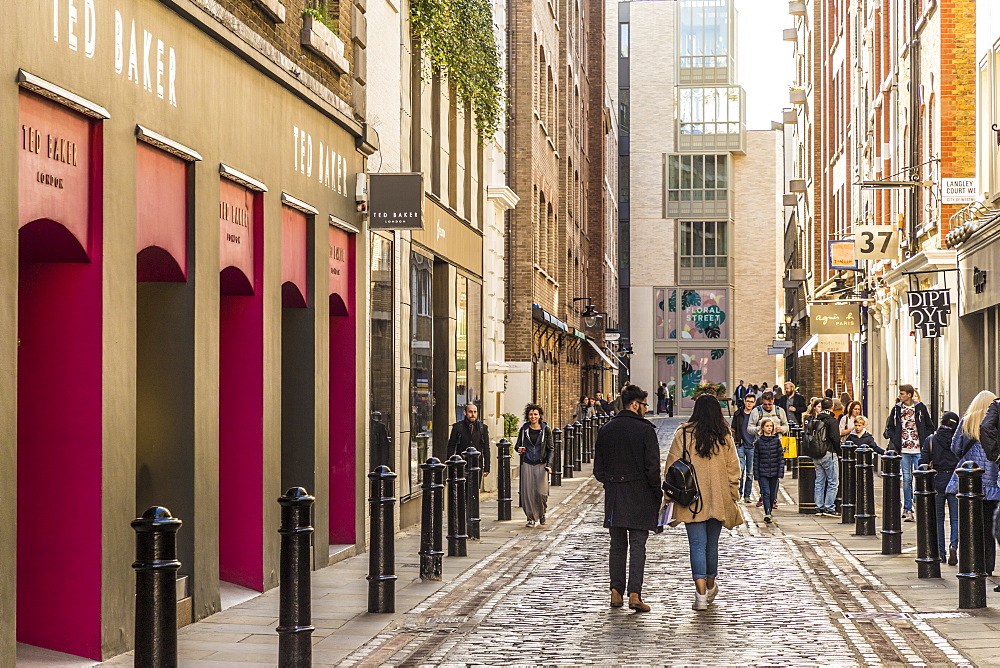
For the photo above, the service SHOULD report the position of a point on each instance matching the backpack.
(814, 441)
(680, 483)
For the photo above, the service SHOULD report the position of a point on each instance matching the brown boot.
(635, 602)
(616, 599)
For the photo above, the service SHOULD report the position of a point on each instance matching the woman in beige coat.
(712, 452)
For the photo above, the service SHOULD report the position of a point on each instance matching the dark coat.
(894, 425)
(380, 445)
(627, 461)
(769, 460)
(740, 419)
(522, 442)
(864, 439)
(832, 431)
(460, 440)
(936, 451)
(796, 400)
(989, 432)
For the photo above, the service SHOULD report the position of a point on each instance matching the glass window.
(623, 110)
(623, 40)
(712, 110)
(468, 345)
(421, 365)
(704, 33)
(381, 399)
(623, 179)
(704, 243)
(697, 178)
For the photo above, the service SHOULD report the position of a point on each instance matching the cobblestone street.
(542, 599)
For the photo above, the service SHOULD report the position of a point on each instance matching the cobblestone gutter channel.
(541, 599)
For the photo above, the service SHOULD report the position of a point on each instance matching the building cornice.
(927, 260)
(503, 196)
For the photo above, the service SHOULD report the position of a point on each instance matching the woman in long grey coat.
(534, 444)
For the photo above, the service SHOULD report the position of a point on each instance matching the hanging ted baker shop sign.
(929, 310)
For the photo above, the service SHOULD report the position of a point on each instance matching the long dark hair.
(710, 428)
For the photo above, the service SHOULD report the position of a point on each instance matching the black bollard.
(556, 459)
(156, 588)
(807, 486)
(971, 548)
(848, 483)
(503, 480)
(578, 437)
(864, 498)
(892, 527)
(569, 436)
(473, 481)
(382, 555)
(457, 500)
(928, 559)
(431, 519)
(585, 447)
(295, 627)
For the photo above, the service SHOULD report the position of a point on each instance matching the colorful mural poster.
(709, 365)
(661, 316)
(703, 313)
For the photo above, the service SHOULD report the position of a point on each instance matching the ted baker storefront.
(179, 319)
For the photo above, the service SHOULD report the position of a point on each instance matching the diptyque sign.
(396, 201)
(834, 319)
(929, 310)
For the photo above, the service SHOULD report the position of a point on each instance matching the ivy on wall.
(457, 36)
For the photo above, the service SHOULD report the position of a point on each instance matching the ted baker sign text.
(139, 55)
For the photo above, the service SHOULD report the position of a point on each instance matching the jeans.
(909, 464)
(768, 492)
(661, 405)
(633, 542)
(939, 500)
(827, 481)
(703, 542)
(745, 454)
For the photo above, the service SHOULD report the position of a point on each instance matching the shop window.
(704, 251)
(383, 368)
(421, 366)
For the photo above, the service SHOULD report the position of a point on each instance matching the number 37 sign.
(876, 242)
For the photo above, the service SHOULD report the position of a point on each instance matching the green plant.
(320, 15)
(714, 389)
(510, 424)
(457, 37)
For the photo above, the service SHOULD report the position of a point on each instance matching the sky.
(765, 60)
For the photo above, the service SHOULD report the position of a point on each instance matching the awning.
(807, 348)
(601, 353)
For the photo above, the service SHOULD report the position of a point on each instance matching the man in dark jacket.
(793, 403)
(471, 432)
(908, 426)
(989, 432)
(827, 466)
(744, 445)
(627, 461)
(936, 451)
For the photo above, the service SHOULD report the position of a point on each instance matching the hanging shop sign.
(834, 319)
(958, 191)
(929, 310)
(876, 242)
(841, 253)
(396, 201)
(833, 343)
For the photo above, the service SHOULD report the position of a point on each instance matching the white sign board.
(833, 343)
(775, 351)
(876, 242)
(958, 191)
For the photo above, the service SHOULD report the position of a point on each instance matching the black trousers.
(990, 543)
(633, 543)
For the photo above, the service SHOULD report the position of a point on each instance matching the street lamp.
(590, 314)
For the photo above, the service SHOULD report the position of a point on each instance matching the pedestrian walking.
(793, 403)
(936, 452)
(768, 465)
(861, 436)
(471, 432)
(989, 432)
(966, 446)
(838, 407)
(824, 428)
(712, 452)
(661, 398)
(740, 393)
(534, 444)
(744, 445)
(627, 462)
(584, 409)
(852, 410)
(609, 403)
(767, 409)
(908, 426)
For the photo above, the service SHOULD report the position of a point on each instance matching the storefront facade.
(182, 296)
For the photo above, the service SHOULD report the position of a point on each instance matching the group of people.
(597, 405)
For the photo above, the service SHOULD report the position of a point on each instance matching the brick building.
(887, 94)
(553, 272)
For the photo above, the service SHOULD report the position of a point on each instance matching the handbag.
(680, 483)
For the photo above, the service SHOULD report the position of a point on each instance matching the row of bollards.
(156, 563)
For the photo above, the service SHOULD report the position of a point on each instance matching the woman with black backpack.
(936, 452)
(705, 441)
